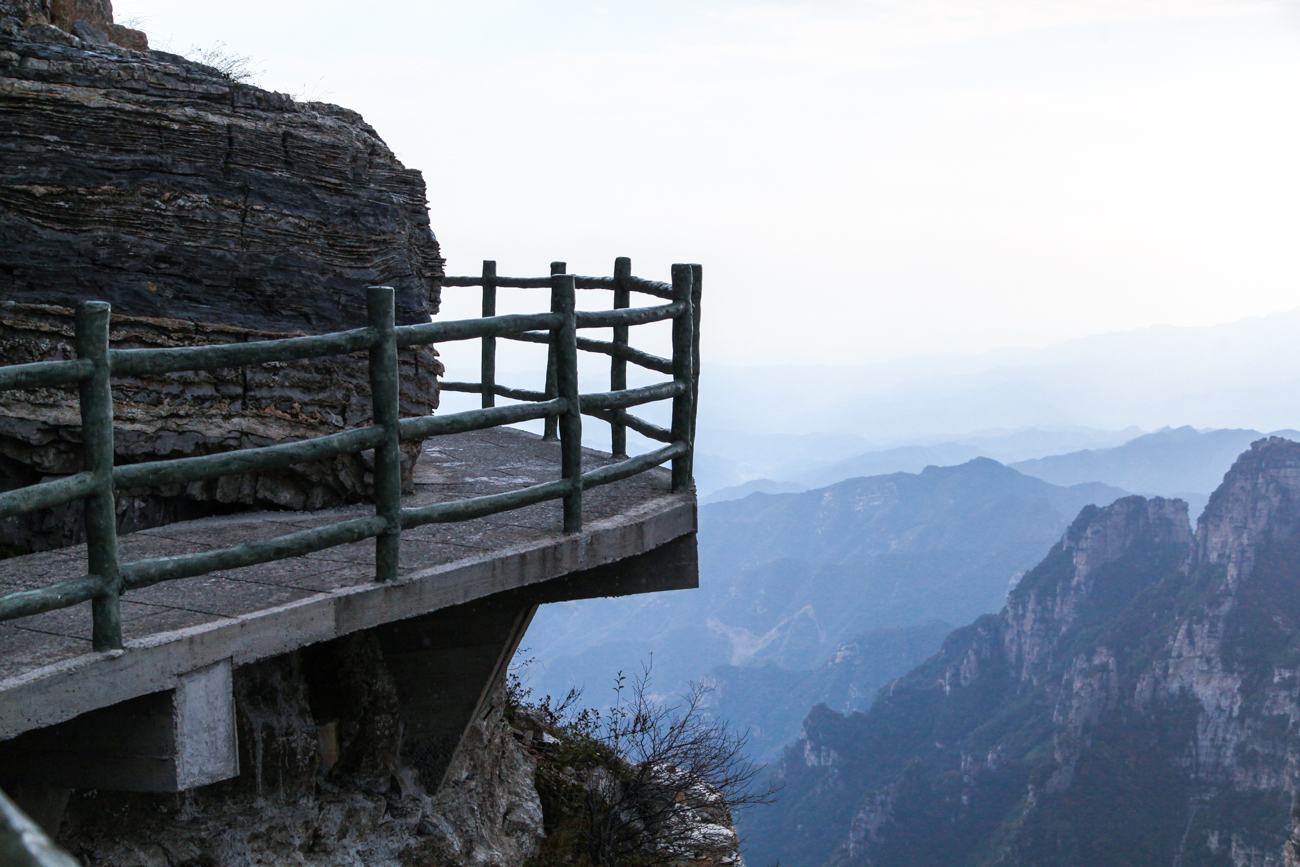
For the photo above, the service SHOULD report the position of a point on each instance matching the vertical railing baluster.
(697, 288)
(565, 342)
(549, 426)
(489, 372)
(683, 372)
(618, 366)
(384, 402)
(97, 445)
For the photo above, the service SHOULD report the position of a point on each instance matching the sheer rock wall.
(204, 211)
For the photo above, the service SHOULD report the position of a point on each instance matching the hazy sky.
(859, 179)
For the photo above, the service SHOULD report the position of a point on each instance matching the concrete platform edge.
(65, 690)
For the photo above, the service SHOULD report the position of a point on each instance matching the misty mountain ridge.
(1133, 703)
(1161, 463)
(775, 463)
(788, 579)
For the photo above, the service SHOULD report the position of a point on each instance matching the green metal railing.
(560, 405)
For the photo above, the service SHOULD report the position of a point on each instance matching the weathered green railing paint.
(183, 470)
(97, 456)
(620, 353)
(42, 374)
(144, 573)
(488, 387)
(54, 493)
(551, 429)
(559, 404)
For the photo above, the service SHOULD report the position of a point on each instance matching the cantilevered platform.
(49, 674)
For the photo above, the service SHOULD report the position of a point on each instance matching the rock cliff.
(162, 186)
(205, 211)
(1137, 701)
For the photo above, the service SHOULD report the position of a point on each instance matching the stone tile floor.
(452, 467)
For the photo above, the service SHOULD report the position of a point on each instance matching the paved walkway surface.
(453, 467)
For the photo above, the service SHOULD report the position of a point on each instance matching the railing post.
(564, 341)
(384, 401)
(618, 366)
(697, 287)
(97, 445)
(489, 377)
(683, 372)
(549, 428)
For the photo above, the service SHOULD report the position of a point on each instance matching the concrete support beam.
(445, 666)
(164, 742)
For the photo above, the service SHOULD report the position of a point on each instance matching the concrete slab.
(48, 675)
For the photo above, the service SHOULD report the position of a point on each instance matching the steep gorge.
(1137, 701)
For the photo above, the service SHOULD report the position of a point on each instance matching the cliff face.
(163, 187)
(205, 211)
(1136, 702)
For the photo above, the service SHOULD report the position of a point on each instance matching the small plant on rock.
(645, 783)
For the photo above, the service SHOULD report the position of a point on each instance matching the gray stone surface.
(160, 185)
(48, 672)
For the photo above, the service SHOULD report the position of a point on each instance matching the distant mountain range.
(1174, 462)
(1135, 702)
(771, 701)
(788, 579)
(1166, 462)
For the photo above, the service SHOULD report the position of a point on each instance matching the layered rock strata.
(1136, 702)
(205, 211)
(162, 186)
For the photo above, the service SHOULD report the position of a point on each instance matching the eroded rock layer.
(204, 211)
(165, 188)
(317, 788)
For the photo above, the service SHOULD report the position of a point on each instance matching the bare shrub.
(235, 67)
(645, 782)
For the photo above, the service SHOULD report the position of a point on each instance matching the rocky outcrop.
(1137, 701)
(167, 189)
(205, 211)
(182, 415)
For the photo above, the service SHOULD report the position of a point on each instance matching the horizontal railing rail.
(560, 406)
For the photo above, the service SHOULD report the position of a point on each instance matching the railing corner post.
(683, 374)
(384, 388)
(96, 393)
(549, 428)
(564, 340)
(488, 380)
(697, 290)
(617, 364)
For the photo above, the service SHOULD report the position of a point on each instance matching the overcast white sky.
(859, 179)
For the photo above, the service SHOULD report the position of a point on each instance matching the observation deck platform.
(49, 673)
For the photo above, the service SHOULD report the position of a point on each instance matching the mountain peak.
(1258, 502)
